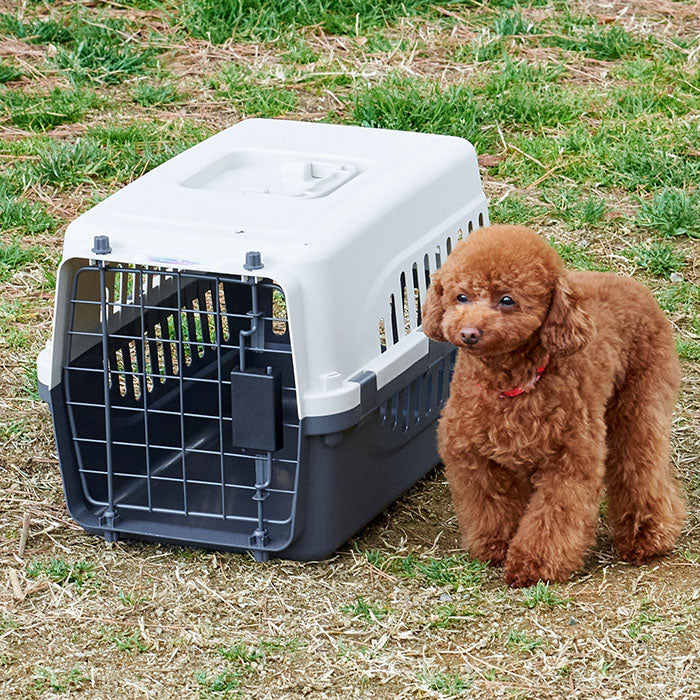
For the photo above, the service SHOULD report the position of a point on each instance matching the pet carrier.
(237, 360)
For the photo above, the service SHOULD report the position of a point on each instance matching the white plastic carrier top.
(341, 215)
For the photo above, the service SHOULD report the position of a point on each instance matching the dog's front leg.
(489, 501)
(559, 524)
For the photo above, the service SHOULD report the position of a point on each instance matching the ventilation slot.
(414, 406)
(417, 294)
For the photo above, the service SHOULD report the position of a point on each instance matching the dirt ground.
(397, 612)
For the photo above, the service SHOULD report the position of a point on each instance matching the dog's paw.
(491, 551)
(649, 541)
(524, 569)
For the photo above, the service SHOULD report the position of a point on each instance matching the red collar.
(521, 390)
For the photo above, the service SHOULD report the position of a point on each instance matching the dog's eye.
(506, 301)
(462, 298)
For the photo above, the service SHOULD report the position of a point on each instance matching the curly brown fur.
(527, 471)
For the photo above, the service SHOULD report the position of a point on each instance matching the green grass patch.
(260, 20)
(298, 51)
(241, 654)
(638, 629)
(26, 217)
(672, 212)
(148, 95)
(682, 297)
(688, 349)
(451, 614)
(645, 101)
(659, 259)
(448, 685)
(91, 47)
(568, 205)
(648, 158)
(575, 256)
(47, 679)
(66, 164)
(521, 642)
(112, 153)
(14, 430)
(102, 51)
(363, 610)
(9, 72)
(515, 210)
(512, 24)
(412, 105)
(602, 43)
(251, 96)
(13, 256)
(129, 641)
(36, 31)
(456, 571)
(220, 685)
(480, 50)
(80, 574)
(542, 594)
(41, 111)
(513, 99)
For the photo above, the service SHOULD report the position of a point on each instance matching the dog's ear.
(567, 328)
(432, 311)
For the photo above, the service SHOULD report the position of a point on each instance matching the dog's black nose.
(470, 336)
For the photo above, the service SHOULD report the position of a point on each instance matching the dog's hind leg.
(489, 501)
(645, 507)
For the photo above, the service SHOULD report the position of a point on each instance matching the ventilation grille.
(403, 314)
(418, 403)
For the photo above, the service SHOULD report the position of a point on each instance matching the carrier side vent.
(413, 283)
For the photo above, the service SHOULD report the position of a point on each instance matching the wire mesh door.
(147, 378)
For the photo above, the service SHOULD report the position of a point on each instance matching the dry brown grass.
(153, 621)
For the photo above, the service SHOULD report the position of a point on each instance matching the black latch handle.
(256, 409)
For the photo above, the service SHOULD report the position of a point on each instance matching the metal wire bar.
(144, 393)
(110, 514)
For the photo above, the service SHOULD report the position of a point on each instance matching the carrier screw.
(101, 245)
(253, 260)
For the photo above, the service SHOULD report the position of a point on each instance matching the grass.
(589, 124)
(514, 209)
(126, 641)
(577, 257)
(672, 212)
(148, 95)
(363, 610)
(659, 259)
(410, 105)
(259, 20)
(14, 257)
(23, 215)
(9, 72)
(447, 685)
(520, 642)
(38, 112)
(542, 594)
(457, 572)
(49, 679)
(251, 98)
(80, 574)
(102, 51)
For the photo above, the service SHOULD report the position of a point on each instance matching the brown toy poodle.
(564, 381)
